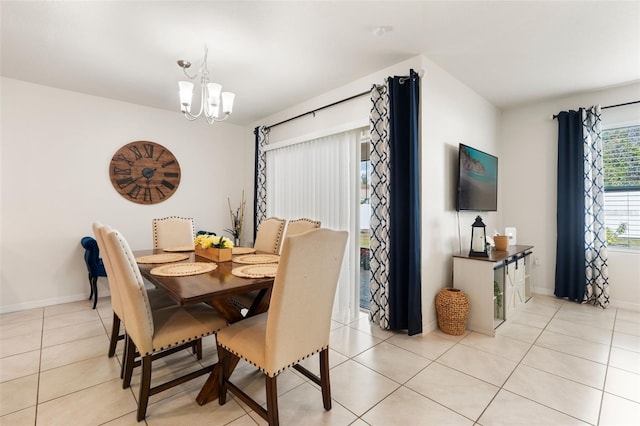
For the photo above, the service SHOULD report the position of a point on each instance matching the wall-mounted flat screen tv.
(477, 180)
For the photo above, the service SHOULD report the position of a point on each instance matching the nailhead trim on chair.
(135, 267)
(304, 219)
(191, 339)
(283, 368)
(278, 240)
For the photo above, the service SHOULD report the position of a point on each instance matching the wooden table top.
(219, 283)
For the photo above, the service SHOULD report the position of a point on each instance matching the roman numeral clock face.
(144, 172)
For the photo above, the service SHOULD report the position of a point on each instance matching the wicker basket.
(452, 306)
(501, 242)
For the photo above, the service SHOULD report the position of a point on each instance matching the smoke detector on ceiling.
(382, 30)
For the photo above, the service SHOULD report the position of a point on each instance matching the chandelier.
(211, 98)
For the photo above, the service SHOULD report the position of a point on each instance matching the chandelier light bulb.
(186, 95)
(214, 90)
(227, 102)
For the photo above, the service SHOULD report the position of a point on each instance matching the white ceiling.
(276, 54)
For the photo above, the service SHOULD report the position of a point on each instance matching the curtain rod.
(608, 106)
(321, 108)
(619, 105)
(402, 80)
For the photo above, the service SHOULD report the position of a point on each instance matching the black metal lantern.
(478, 239)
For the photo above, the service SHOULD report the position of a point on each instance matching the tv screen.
(477, 180)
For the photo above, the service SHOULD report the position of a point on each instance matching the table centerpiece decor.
(237, 219)
(212, 247)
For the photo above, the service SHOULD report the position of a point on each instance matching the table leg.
(261, 302)
(227, 310)
(209, 391)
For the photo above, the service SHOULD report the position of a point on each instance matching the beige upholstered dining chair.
(297, 323)
(173, 231)
(158, 299)
(268, 240)
(269, 235)
(153, 332)
(294, 227)
(298, 226)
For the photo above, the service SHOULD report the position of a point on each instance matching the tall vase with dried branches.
(237, 220)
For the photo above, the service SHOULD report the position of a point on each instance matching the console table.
(497, 286)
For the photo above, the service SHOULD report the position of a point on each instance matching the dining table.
(216, 288)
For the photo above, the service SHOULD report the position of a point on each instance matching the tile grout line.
(533, 344)
(516, 367)
(35, 417)
(606, 371)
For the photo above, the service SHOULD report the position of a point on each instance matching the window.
(318, 179)
(621, 146)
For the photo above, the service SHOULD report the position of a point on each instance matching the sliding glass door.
(365, 215)
(319, 179)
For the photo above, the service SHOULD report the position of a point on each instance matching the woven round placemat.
(255, 271)
(243, 250)
(253, 259)
(183, 269)
(162, 258)
(179, 248)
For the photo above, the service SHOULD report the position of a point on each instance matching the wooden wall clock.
(144, 172)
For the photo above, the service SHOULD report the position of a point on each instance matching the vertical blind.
(318, 179)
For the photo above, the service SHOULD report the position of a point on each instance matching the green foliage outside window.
(612, 236)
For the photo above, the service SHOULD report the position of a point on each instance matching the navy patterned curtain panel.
(260, 180)
(395, 202)
(581, 251)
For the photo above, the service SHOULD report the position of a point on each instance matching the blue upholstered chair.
(95, 267)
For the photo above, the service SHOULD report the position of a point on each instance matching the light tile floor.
(557, 363)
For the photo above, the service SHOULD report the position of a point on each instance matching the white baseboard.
(42, 303)
(428, 327)
(624, 305)
(543, 291)
(613, 303)
(102, 292)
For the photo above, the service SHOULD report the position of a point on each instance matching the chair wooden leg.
(197, 349)
(145, 385)
(226, 363)
(272, 400)
(124, 357)
(324, 379)
(130, 355)
(223, 376)
(115, 332)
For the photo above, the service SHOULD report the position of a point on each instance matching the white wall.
(451, 113)
(528, 169)
(56, 147)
